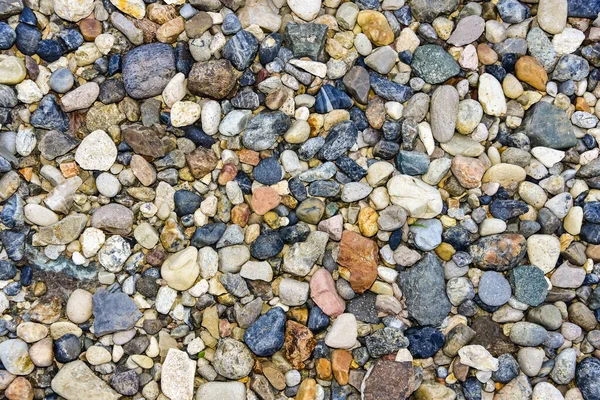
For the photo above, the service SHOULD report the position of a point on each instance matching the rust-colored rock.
(264, 199)
(201, 161)
(360, 256)
(340, 364)
(90, 28)
(143, 140)
(240, 214)
(228, 173)
(323, 368)
(468, 171)
(324, 293)
(204, 74)
(299, 343)
(389, 380)
(530, 71)
(498, 252)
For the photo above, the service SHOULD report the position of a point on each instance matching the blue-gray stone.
(50, 50)
(305, 40)
(587, 378)
(8, 97)
(311, 147)
(61, 80)
(425, 10)
(350, 168)
(269, 48)
(331, 98)
(268, 171)
(571, 67)
(385, 341)
(297, 189)
(583, 9)
(339, 140)
(424, 287)
(7, 36)
(389, 90)
(231, 24)
(67, 348)
(71, 39)
(507, 209)
(424, 341)
(49, 115)
(148, 69)
(548, 126)
(591, 233)
(528, 284)
(14, 243)
(54, 144)
(7, 270)
(472, 388)
(324, 189)
(317, 320)
(186, 202)
(512, 11)
(240, 50)
(508, 369)
(540, 47)
(267, 334)
(263, 130)
(591, 212)
(267, 245)
(28, 39)
(113, 312)
(494, 290)
(426, 234)
(12, 213)
(412, 162)
(208, 234)
(434, 64)
(10, 7)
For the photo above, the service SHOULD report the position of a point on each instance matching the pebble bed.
(299, 199)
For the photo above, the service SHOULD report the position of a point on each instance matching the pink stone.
(333, 226)
(323, 292)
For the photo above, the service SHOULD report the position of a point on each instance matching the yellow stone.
(12, 70)
(367, 221)
(376, 27)
(445, 251)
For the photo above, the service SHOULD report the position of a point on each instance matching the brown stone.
(47, 311)
(240, 214)
(69, 169)
(143, 140)
(161, 13)
(367, 221)
(299, 343)
(582, 105)
(228, 173)
(169, 31)
(264, 199)
(90, 28)
(375, 112)
(389, 380)
(148, 29)
(248, 156)
(324, 293)
(19, 389)
(530, 71)
(204, 74)
(376, 27)
(198, 24)
(201, 161)
(490, 335)
(143, 170)
(468, 171)
(113, 218)
(593, 252)
(360, 256)
(323, 368)
(486, 55)
(340, 364)
(275, 377)
(307, 390)
(499, 252)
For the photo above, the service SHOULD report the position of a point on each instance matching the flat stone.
(75, 379)
(143, 75)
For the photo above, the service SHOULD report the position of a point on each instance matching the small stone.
(113, 312)
(343, 332)
(143, 76)
(232, 359)
(433, 64)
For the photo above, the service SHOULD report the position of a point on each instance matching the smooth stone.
(143, 76)
(267, 334)
(177, 375)
(96, 151)
(75, 379)
(343, 332)
(181, 269)
(443, 110)
(113, 312)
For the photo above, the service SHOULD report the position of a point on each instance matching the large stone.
(113, 218)
(434, 64)
(360, 256)
(301, 257)
(425, 291)
(418, 198)
(75, 381)
(64, 231)
(73, 10)
(181, 269)
(113, 312)
(443, 110)
(177, 376)
(498, 252)
(204, 74)
(388, 380)
(148, 69)
(427, 10)
(548, 126)
(96, 152)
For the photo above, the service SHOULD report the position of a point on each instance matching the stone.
(443, 110)
(143, 76)
(181, 269)
(263, 130)
(113, 312)
(387, 380)
(221, 390)
(75, 379)
(359, 255)
(494, 289)
(201, 161)
(177, 375)
(498, 252)
(267, 334)
(491, 95)
(324, 293)
(48, 115)
(552, 15)
(299, 344)
(418, 198)
(433, 64)
(241, 49)
(543, 251)
(548, 126)
(343, 332)
(96, 151)
(528, 284)
(232, 359)
(15, 358)
(530, 71)
(468, 30)
(113, 218)
(306, 40)
(73, 11)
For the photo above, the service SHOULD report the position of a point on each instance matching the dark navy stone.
(71, 39)
(12, 289)
(331, 98)
(389, 90)
(324, 189)
(405, 56)
(339, 140)
(458, 236)
(395, 239)
(267, 334)
(508, 62)
(591, 212)
(403, 15)
(591, 233)
(49, 115)
(424, 341)
(359, 118)
(240, 50)
(114, 64)
(7, 36)
(386, 150)
(268, 171)
(267, 245)
(186, 202)
(349, 167)
(321, 350)
(7, 270)
(244, 182)
(113, 312)
(198, 136)
(391, 130)
(67, 348)
(248, 78)
(50, 50)
(412, 162)
(508, 369)
(589, 141)
(528, 284)
(101, 65)
(14, 244)
(28, 17)
(183, 58)
(496, 71)
(28, 39)
(512, 11)
(295, 233)
(363, 308)
(472, 388)
(587, 378)
(310, 148)
(297, 189)
(507, 209)
(208, 234)
(12, 213)
(305, 40)
(231, 24)
(246, 99)
(583, 9)
(317, 320)
(269, 48)
(567, 88)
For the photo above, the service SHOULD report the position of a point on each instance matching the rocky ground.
(307, 199)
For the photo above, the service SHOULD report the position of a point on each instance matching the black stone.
(198, 136)
(268, 171)
(507, 209)
(424, 341)
(349, 167)
(14, 243)
(363, 308)
(67, 348)
(267, 334)
(318, 321)
(269, 48)
(266, 245)
(297, 189)
(50, 50)
(339, 140)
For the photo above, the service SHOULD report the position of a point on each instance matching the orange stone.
(69, 169)
(247, 156)
(168, 32)
(582, 105)
(530, 71)
(227, 174)
(299, 343)
(323, 367)
(26, 173)
(486, 54)
(307, 390)
(19, 389)
(360, 256)
(240, 214)
(468, 171)
(264, 199)
(340, 363)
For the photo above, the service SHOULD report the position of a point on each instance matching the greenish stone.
(548, 126)
(529, 284)
(310, 210)
(306, 40)
(434, 64)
